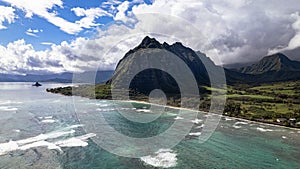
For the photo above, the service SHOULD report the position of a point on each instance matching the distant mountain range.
(273, 68)
(67, 77)
(274, 63)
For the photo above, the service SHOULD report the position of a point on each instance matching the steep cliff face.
(174, 58)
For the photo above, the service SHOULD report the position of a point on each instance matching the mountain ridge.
(276, 62)
(148, 80)
(273, 68)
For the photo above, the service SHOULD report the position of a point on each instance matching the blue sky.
(54, 36)
(47, 32)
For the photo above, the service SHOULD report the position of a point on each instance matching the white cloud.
(89, 16)
(47, 43)
(122, 8)
(19, 57)
(33, 32)
(110, 4)
(6, 14)
(233, 31)
(239, 31)
(43, 10)
(294, 42)
(81, 54)
(121, 11)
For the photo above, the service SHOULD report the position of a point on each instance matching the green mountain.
(274, 63)
(274, 68)
(147, 80)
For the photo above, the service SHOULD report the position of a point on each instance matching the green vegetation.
(277, 103)
(264, 103)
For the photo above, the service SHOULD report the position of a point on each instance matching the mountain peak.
(276, 62)
(279, 56)
(178, 44)
(147, 38)
(157, 79)
(148, 42)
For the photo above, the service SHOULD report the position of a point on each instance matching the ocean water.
(44, 130)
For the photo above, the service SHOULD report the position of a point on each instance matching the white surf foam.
(42, 140)
(144, 110)
(164, 158)
(8, 147)
(199, 127)
(76, 141)
(41, 137)
(103, 105)
(197, 121)
(9, 102)
(105, 110)
(240, 122)
(237, 127)
(48, 117)
(195, 134)
(6, 108)
(263, 130)
(49, 121)
(47, 144)
(237, 124)
(73, 126)
(178, 118)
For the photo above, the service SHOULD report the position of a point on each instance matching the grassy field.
(287, 88)
(267, 102)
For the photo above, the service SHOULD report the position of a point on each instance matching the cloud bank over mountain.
(235, 31)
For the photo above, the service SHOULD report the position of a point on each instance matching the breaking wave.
(263, 130)
(43, 140)
(164, 158)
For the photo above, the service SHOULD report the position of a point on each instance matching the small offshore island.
(267, 91)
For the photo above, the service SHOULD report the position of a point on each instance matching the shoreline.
(181, 108)
(234, 118)
(259, 122)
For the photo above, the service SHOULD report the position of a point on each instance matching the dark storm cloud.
(293, 54)
(256, 28)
